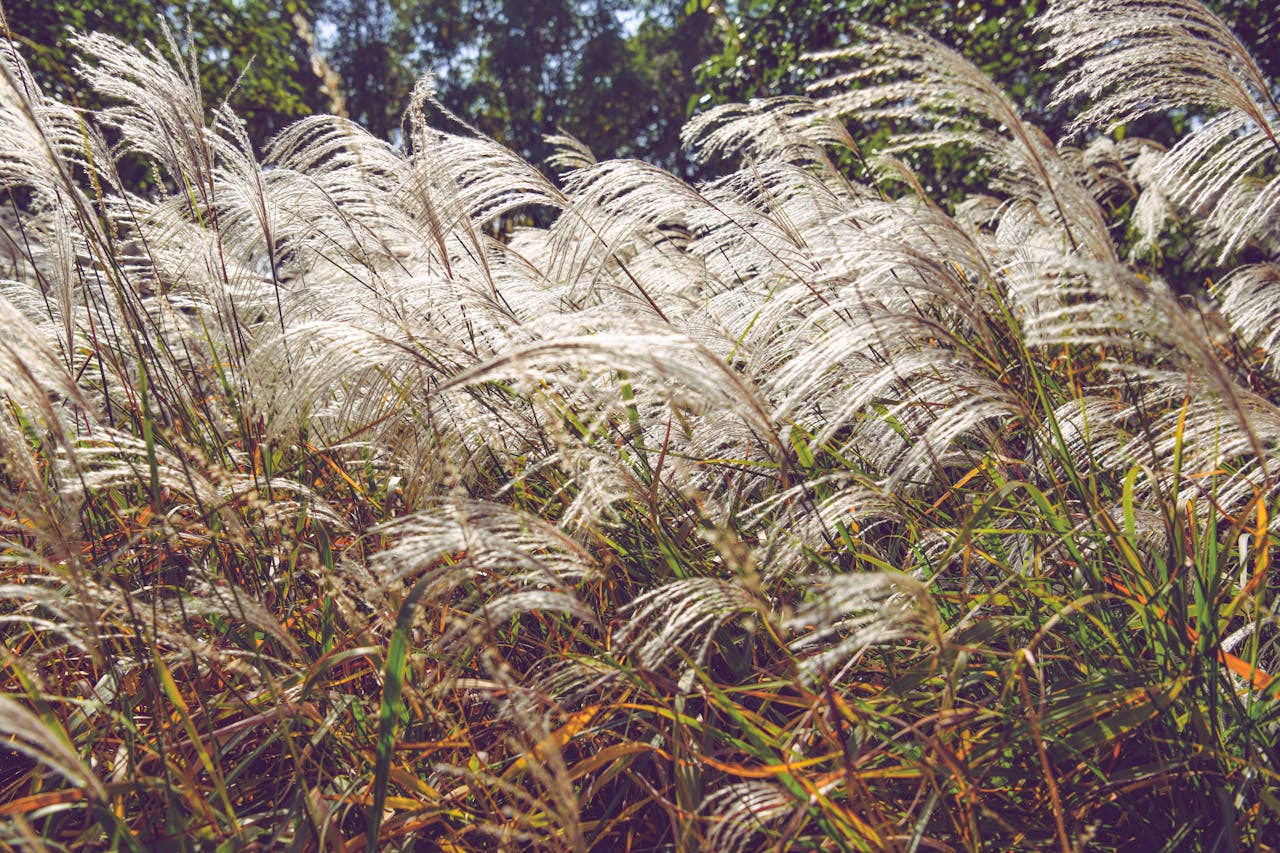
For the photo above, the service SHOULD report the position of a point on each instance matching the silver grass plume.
(905, 78)
(1136, 57)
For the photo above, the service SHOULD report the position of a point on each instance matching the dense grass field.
(360, 497)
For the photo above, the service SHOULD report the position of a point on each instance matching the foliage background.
(521, 70)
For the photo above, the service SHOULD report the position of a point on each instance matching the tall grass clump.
(789, 510)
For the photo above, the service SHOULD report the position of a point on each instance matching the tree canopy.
(764, 42)
(252, 53)
(617, 75)
(620, 75)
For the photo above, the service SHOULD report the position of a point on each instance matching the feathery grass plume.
(1136, 58)
(487, 544)
(766, 131)
(569, 153)
(1247, 296)
(940, 98)
(741, 812)
(860, 610)
(158, 109)
(29, 735)
(679, 620)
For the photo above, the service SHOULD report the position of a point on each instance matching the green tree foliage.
(249, 51)
(648, 80)
(764, 43)
(368, 47)
(617, 75)
(765, 39)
